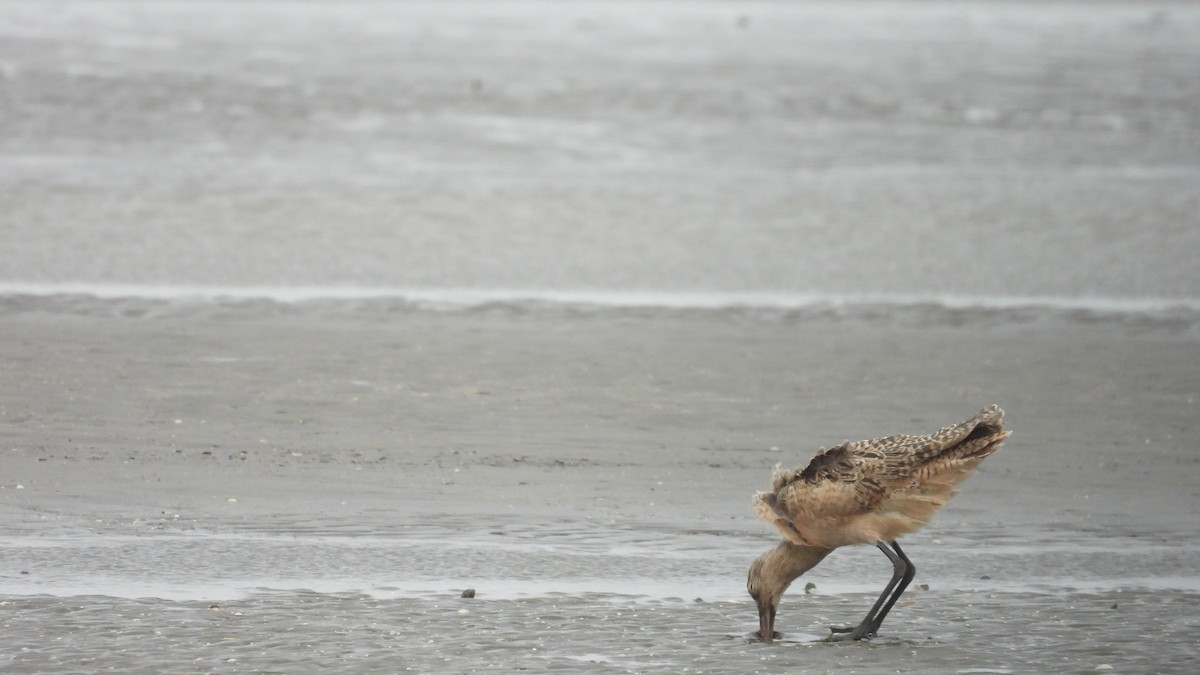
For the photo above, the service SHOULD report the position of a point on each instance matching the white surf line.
(468, 297)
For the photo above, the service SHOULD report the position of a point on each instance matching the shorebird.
(869, 492)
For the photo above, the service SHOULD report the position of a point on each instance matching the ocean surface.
(986, 151)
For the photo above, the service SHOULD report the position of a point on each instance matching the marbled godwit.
(869, 492)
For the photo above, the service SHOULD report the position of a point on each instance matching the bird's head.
(771, 574)
(766, 588)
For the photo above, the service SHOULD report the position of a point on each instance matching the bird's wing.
(855, 477)
(837, 482)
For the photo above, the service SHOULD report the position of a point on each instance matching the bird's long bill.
(766, 621)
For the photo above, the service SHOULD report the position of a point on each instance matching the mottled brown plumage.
(869, 492)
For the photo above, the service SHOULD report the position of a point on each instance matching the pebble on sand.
(469, 593)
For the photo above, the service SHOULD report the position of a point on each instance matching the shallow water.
(362, 596)
(301, 631)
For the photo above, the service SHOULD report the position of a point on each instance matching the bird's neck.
(790, 560)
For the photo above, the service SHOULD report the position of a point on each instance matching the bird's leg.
(910, 571)
(866, 628)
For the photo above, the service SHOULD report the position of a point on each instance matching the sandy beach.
(332, 476)
(314, 315)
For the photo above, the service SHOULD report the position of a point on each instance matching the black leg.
(910, 571)
(869, 624)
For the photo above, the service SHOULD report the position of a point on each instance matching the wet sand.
(332, 475)
(249, 486)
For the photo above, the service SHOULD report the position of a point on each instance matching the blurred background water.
(831, 150)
